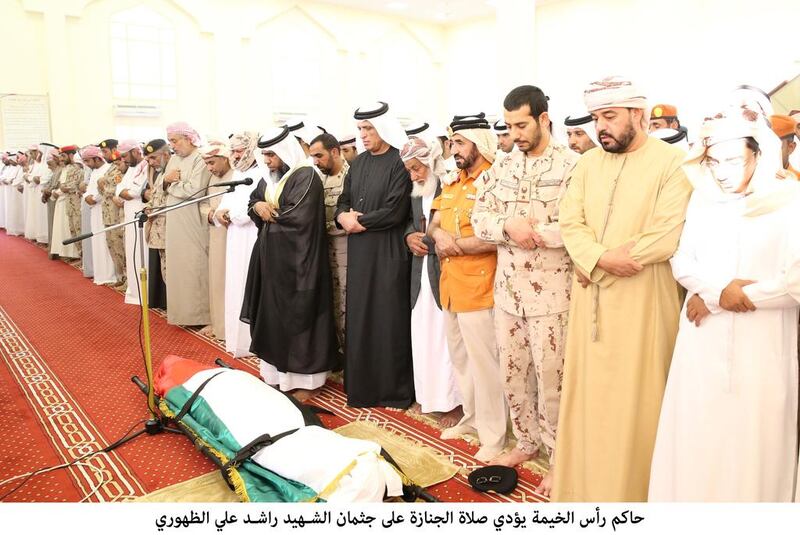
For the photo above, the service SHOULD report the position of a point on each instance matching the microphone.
(77, 238)
(233, 183)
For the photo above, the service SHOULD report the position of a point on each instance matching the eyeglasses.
(491, 479)
(712, 163)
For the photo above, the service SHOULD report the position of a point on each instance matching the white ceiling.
(436, 11)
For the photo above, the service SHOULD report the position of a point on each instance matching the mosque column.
(228, 93)
(59, 88)
(515, 29)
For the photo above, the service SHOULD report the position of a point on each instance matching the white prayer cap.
(304, 129)
(613, 92)
(478, 130)
(672, 136)
(279, 141)
(388, 128)
(585, 123)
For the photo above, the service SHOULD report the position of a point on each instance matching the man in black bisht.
(288, 298)
(374, 209)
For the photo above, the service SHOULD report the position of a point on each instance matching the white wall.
(247, 63)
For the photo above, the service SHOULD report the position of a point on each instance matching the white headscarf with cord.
(589, 127)
(289, 151)
(387, 126)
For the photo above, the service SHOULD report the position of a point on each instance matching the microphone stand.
(156, 423)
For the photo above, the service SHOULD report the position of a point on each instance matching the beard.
(466, 162)
(618, 144)
(424, 189)
(530, 144)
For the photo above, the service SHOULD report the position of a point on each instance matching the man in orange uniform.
(468, 265)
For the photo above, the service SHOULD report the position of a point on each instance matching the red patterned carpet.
(67, 351)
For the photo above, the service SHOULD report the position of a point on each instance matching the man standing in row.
(67, 211)
(107, 147)
(517, 209)
(102, 262)
(49, 182)
(620, 220)
(435, 382)
(288, 300)
(186, 232)
(112, 213)
(155, 230)
(217, 155)
(468, 267)
(327, 157)
(504, 142)
(581, 135)
(664, 116)
(129, 193)
(349, 150)
(242, 233)
(373, 209)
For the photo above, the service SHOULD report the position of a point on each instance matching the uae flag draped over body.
(271, 449)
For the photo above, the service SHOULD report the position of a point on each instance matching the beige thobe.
(621, 330)
(187, 244)
(217, 238)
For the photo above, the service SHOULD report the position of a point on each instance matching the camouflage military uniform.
(112, 215)
(337, 248)
(531, 289)
(71, 178)
(49, 199)
(156, 228)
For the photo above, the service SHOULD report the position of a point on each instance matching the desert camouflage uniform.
(71, 178)
(337, 248)
(156, 228)
(112, 215)
(531, 290)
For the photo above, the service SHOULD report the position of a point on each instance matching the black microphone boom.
(233, 183)
(77, 238)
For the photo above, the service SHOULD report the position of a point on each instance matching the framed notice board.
(24, 120)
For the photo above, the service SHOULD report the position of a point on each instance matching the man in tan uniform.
(112, 213)
(71, 185)
(327, 156)
(517, 208)
(155, 230)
